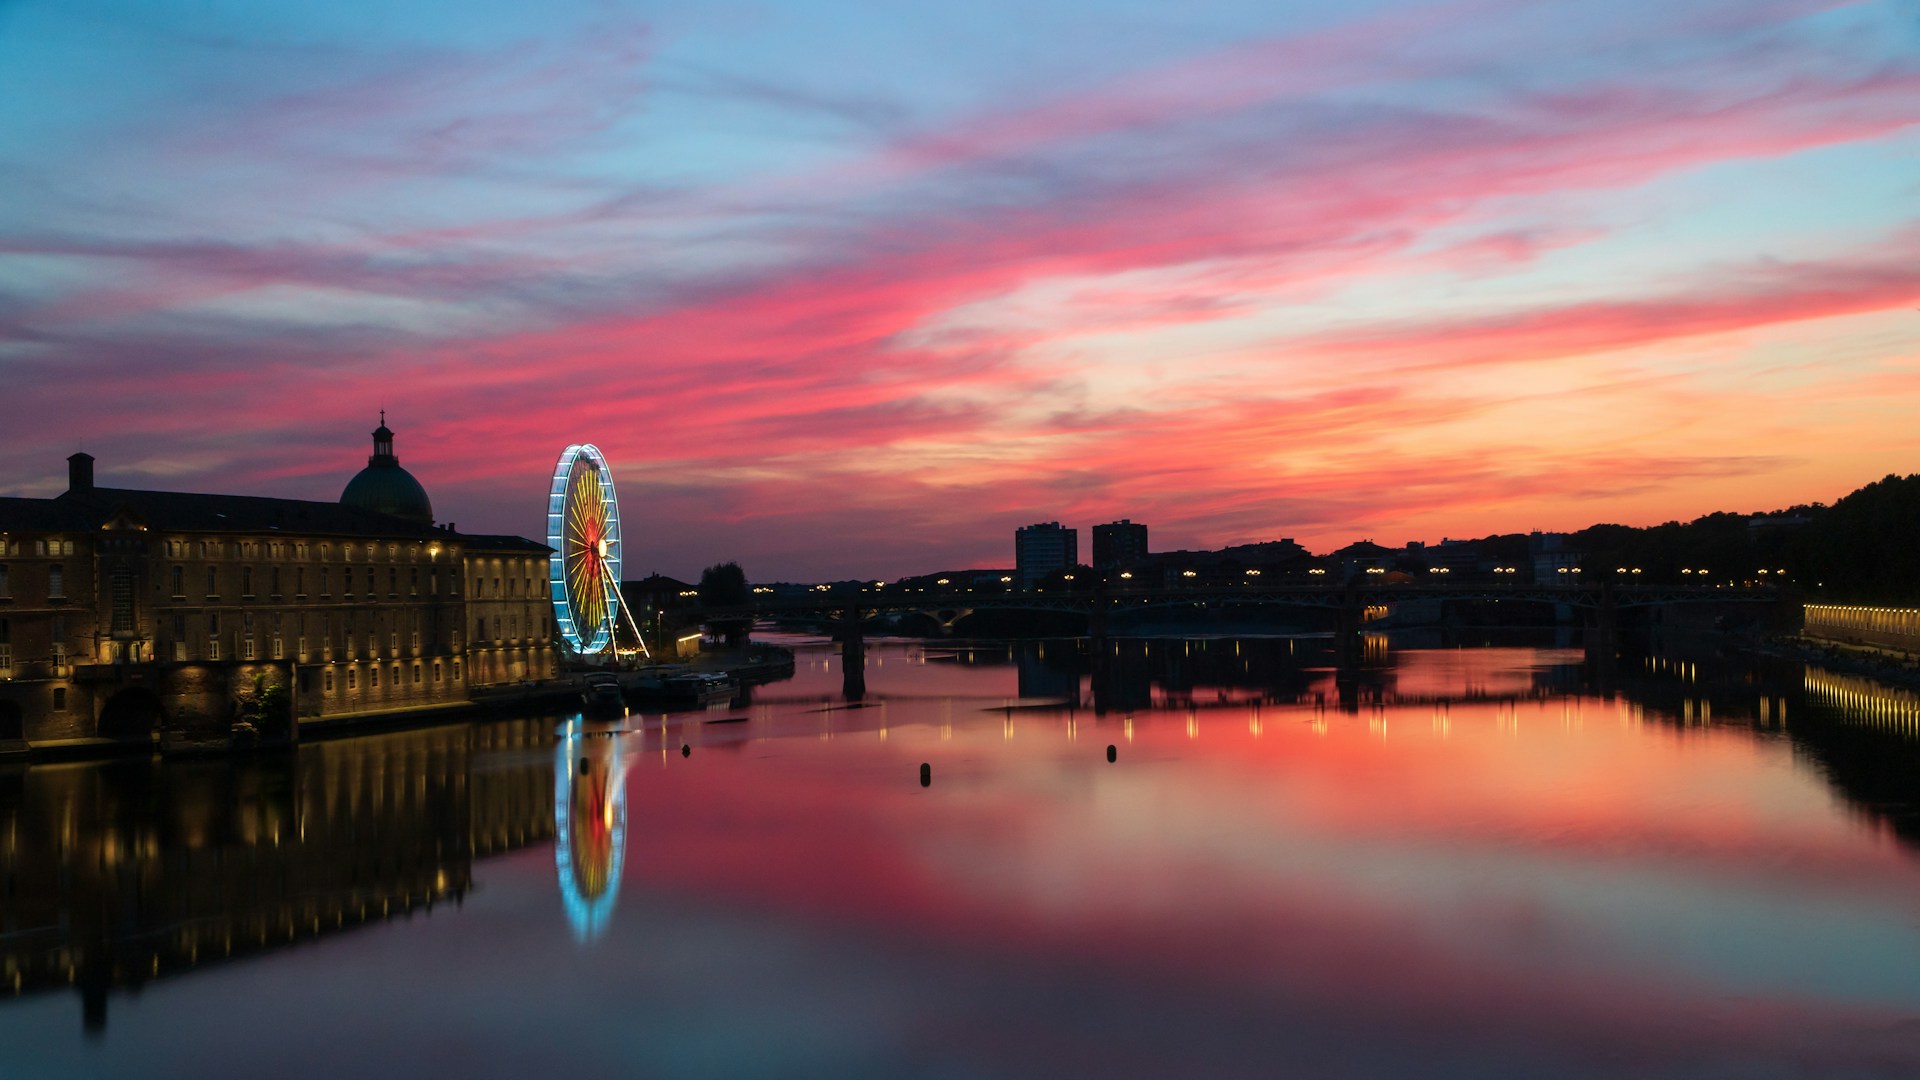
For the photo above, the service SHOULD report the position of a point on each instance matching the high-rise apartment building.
(1039, 550)
(1118, 543)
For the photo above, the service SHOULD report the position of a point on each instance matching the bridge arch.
(132, 715)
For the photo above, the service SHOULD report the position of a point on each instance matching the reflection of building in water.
(1865, 739)
(115, 874)
(1049, 669)
(590, 826)
(1858, 700)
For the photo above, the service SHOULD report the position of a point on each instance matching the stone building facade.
(509, 611)
(184, 619)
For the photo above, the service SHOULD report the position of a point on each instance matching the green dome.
(384, 487)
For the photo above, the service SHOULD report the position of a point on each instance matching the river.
(1185, 858)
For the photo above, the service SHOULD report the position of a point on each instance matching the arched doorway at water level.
(132, 715)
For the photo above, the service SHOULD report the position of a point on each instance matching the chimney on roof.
(79, 473)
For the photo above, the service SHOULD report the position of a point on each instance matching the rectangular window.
(413, 581)
(274, 581)
(300, 581)
(246, 647)
(4, 593)
(56, 582)
(120, 583)
(456, 671)
(213, 581)
(213, 648)
(373, 677)
(436, 671)
(300, 644)
(327, 683)
(6, 660)
(246, 581)
(179, 651)
(393, 581)
(324, 590)
(59, 699)
(179, 583)
(346, 580)
(213, 623)
(416, 674)
(179, 628)
(353, 677)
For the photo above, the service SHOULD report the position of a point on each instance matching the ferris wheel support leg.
(620, 605)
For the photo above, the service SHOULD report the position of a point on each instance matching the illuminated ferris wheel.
(583, 528)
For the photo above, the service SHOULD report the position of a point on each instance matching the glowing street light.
(1196, 573)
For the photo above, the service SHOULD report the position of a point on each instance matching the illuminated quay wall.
(1897, 628)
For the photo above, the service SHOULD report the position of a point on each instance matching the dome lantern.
(386, 488)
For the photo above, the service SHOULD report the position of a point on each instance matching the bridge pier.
(1348, 645)
(1601, 641)
(853, 656)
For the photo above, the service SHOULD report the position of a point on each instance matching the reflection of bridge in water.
(117, 874)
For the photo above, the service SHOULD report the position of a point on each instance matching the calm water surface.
(1454, 862)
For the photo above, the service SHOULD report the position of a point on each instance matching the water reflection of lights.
(1863, 701)
(590, 827)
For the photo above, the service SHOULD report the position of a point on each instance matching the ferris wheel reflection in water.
(589, 825)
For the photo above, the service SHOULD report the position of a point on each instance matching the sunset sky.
(855, 289)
